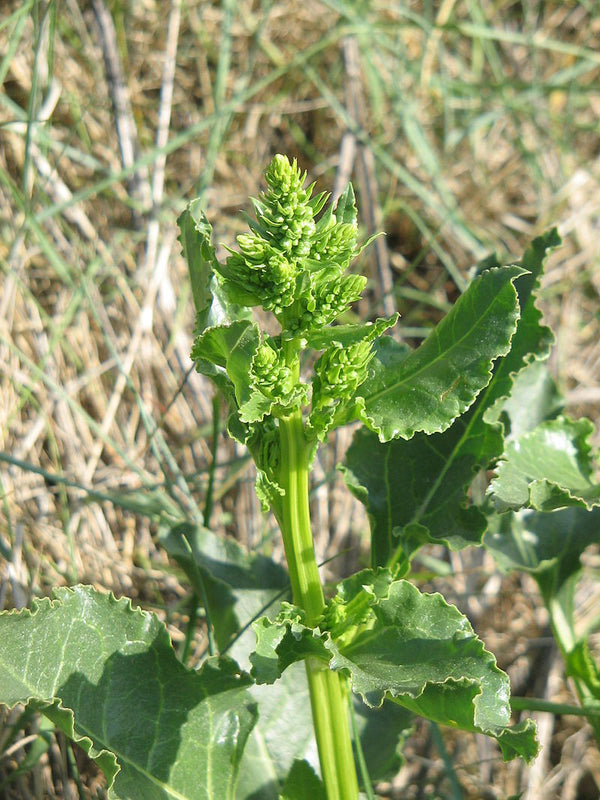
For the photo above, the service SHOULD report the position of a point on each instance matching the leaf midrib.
(442, 355)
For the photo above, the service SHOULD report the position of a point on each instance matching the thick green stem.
(327, 688)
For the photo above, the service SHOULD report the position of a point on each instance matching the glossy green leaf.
(419, 491)
(303, 784)
(547, 545)
(239, 585)
(411, 647)
(271, 751)
(534, 398)
(532, 341)
(429, 388)
(415, 491)
(108, 677)
(547, 468)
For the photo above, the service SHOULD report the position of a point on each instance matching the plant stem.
(327, 688)
(564, 635)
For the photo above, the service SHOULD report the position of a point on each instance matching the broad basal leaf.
(239, 586)
(547, 468)
(270, 753)
(428, 389)
(108, 677)
(303, 784)
(413, 648)
(284, 706)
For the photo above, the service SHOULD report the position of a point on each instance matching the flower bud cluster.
(290, 264)
(269, 373)
(285, 212)
(337, 245)
(340, 371)
(328, 298)
(259, 274)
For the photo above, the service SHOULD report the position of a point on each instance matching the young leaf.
(210, 302)
(547, 468)
(345, 210)
(224, 353)
(238, 585)
(195, 235)
(534, 398)
(108, 677)
(410, 647)
(427, 389)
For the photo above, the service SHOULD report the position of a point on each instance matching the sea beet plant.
(376, 650)
(378, 636)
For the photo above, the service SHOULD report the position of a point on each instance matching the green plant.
(378, 647)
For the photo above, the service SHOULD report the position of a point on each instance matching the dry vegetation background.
(466, 127)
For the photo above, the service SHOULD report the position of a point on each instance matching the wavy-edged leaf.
(413, 648)
(547, 468)
(429, 388)
(107, 675)
(423, 653)
(548, 546)
(418, 491)
(532, 341)
(239, 585)
(415, 491)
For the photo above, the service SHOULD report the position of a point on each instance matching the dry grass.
(473, 135)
